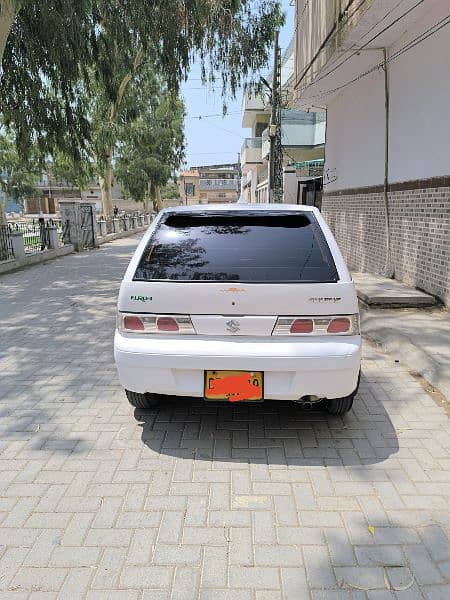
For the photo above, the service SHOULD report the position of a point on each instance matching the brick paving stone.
(215, 502)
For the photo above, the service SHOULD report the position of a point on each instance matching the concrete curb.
(407, 349)
(110, 237)
(35, 259)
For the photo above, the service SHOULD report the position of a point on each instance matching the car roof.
(239, 208)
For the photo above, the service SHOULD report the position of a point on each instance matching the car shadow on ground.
(273, 432)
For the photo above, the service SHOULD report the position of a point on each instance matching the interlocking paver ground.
(202, 501)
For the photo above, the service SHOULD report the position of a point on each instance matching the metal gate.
(87, 226)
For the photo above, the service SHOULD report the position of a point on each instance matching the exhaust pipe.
(307, 402)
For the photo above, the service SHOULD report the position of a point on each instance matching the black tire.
(340, 406)
(142, 400)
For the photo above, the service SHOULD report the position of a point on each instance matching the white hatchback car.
(239, 303)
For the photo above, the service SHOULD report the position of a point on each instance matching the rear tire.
(340, 406)
(142, 400)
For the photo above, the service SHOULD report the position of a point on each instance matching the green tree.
(170, 191)
(153, 145)
(63, 166)
(47, 49)
(18, 177)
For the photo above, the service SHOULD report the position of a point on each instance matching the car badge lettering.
(233, 290)
(323, 299)
(141, 298)
(233, 326)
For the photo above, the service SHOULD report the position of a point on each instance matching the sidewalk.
(417, 337)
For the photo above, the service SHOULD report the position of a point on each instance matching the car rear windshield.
(252, 248)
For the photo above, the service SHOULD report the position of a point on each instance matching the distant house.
(52, 190)
(207, 184)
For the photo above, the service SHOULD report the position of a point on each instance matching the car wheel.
(340, 406)
(142, 400)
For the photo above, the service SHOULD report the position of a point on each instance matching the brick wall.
(420, 238)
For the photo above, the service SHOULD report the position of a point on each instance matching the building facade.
(380, 68)
(52, 190)
(210, 184)
(302, 139)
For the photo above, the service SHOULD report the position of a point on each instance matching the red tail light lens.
(133, 323)
(150, 323)
(167, 324)
(339, 325)
(302, 326)
(317, 326)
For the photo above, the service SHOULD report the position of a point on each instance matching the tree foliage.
(170, 191)
(47, 50)
(63, 167)
(19, 175)
(50, 45)
(153, 144)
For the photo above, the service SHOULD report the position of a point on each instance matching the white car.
(239, 303)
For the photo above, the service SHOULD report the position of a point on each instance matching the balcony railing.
(218, 184)
(251, 151)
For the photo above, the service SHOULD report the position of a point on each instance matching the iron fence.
(35, 236)
(6, 249)
(120, 223)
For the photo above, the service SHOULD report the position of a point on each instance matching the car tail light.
(133, 323)
(339, 325)
(167, 324)
(145, 323)
(311, 326)
(302, 326)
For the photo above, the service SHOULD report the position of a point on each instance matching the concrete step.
(375, 290)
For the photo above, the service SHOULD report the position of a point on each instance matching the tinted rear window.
(252, 248)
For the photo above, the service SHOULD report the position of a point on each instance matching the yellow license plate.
(234, 386)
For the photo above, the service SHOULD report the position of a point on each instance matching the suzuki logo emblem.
(233, 326)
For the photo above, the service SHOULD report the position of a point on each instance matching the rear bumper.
(324, 367)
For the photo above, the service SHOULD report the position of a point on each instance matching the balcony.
(218, 184)
(298, 130)
(251, 151)
(251, 107)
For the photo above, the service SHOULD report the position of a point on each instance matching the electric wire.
(408, 46)
(370, 41)
(353, 46)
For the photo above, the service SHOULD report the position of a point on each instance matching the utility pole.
(239, 175)
(276, 153)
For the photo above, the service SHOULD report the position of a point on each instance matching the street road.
(214, 501)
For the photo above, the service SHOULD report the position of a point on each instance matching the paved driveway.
(193, 501)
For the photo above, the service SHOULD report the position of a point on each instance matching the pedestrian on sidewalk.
(42, 232)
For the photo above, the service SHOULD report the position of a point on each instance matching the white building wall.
(420, 104)
(419, 124)
(290, 187)
(354, 151)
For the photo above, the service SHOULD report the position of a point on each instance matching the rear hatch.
(235, 272)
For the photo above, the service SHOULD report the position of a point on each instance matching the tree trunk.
(148, 197)
(106, 185)
(2, 211)
(158, 198)
(8, 12)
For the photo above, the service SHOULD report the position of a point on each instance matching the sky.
(215, 140)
